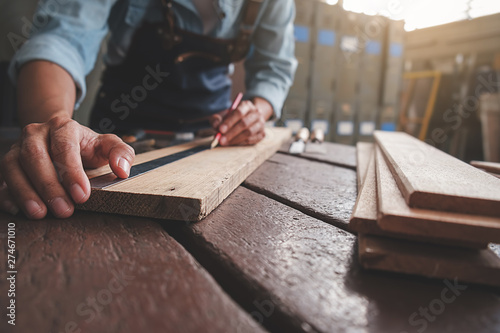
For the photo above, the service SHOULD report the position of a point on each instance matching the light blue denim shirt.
(69, 33)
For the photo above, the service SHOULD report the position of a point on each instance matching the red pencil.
(233, 107)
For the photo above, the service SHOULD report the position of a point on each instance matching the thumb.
(111, 149)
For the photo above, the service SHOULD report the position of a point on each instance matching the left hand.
(245, 125)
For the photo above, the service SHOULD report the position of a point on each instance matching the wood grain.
(327, 152)
(365, 213)
(432, 179)
(321, 190)
(396, 216)
(364, 151)
(433, 261)
(188, 189)
(299, 274)
(104, 273)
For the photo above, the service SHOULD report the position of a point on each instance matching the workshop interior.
(369, 202)
(363, 66)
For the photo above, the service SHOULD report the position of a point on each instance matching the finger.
(6, 202)
(20, 188)
(236, 116)
(254, 139)
(247, 133)
(248, 120)
(65, 141)
(215, 120)
(119, 155)
(37, 165)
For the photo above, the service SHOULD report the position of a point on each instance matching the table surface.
(275, 256)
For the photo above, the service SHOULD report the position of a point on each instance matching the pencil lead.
(214, 143)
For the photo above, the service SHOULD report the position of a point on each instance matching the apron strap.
(167, 31)
(237, 48)
(242, 41)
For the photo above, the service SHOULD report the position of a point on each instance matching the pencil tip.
(214, 144)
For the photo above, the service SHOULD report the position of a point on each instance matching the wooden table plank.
(299, 274)
(332, 153)
(103, 273)
(321, 190)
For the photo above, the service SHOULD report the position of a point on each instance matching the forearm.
(44, 90)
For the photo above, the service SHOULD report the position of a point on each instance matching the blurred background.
(430, 68)
(426, 67)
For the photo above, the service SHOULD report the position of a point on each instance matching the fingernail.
(32, 207)
(77, 193)
(223, 128)
(10, 207)
(59, 206)
(223, 140)
(124, 165)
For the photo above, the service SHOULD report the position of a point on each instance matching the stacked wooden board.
(421, 211)
(187, 189)
(490, 167)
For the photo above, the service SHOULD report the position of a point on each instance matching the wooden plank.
(396, 216)
(188, 189)
(365, 213)
(491, 167)
(104, 273)
(433, 261)
(328, 152)
(432, 179)
(151, 155)
(364, 151)
(298, 274)
(321, 190)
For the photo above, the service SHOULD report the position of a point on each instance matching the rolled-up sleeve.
(271, 67)
(68, 33)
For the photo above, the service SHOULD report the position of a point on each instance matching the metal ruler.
(139, 169)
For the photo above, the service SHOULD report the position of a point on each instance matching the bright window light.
(425, 13)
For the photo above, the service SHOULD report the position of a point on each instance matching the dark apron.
(171, 79)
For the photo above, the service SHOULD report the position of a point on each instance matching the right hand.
(61, 148)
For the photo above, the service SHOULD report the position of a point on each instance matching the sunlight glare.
(425, 13)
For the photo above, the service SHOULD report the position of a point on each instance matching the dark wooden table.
(275, 256)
